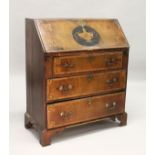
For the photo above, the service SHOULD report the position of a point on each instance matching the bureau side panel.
(34, 75)
(125, 66)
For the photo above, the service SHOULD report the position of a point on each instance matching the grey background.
(90, 139)
(130, 13)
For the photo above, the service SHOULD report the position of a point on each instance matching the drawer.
(83, 85)
(80, 110)
(88, 62)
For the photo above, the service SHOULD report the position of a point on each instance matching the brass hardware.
(110, 106)
(112, 81)
(65, 115)
(67, 65)
(114, 103)
(90, 77)
(61, 87)
(111, 61)
(115, 79)
(89, 101)
(107, 105)
(62, 114)
(65, 87)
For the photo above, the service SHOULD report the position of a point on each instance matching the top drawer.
(88, 62)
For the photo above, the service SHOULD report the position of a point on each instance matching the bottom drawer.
(81, 110)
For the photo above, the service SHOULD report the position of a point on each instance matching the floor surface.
(94, 139)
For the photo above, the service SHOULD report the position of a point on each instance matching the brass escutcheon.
(89, 101)
(90, 76)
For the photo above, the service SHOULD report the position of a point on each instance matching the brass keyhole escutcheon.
(89, 101)
(90, 77)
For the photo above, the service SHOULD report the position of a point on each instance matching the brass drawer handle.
(67, 65)
(111, 106)
(112, 81)
(111, 61)
(62, 114)
(65, 88)
(65, 114)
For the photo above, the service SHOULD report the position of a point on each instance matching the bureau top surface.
(60, 35)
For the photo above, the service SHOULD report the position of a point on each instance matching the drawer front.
(87, 62)
(92, 83)
(71, 112)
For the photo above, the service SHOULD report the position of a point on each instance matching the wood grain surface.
(56, 35)
(91, 83)
(70, 112)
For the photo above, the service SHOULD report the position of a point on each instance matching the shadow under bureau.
(76, 73)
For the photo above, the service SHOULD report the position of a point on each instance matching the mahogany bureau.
(76, 73)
